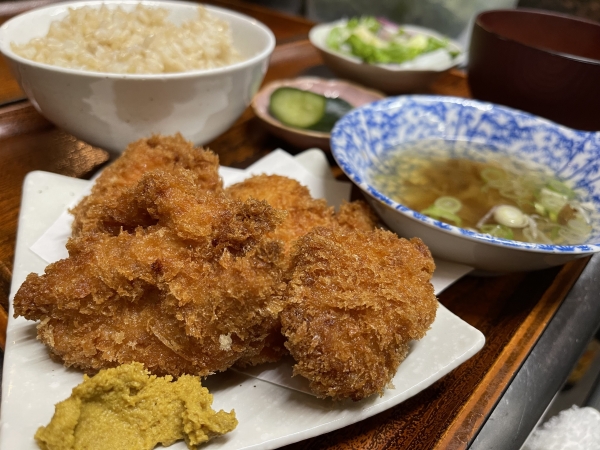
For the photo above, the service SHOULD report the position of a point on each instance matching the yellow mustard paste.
(127, 408)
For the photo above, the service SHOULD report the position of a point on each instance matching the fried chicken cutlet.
(191, 290)
(354, 302)
(167, 153)
(304, 213)
(168, 269)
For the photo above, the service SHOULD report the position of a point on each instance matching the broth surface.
(472, 187)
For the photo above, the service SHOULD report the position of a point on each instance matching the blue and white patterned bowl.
(363, 137)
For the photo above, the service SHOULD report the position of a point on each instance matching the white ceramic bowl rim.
(317, 30)
(6, 49)
(341, 157)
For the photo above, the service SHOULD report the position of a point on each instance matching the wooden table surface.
(511, 311)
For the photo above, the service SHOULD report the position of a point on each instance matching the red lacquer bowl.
(544, 63)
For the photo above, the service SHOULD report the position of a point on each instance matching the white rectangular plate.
(271, 407)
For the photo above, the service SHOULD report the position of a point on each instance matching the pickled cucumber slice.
(298, 108)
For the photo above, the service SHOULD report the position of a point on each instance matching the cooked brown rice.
(139, 41)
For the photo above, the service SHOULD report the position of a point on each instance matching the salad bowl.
(363, 138)
(410, 76)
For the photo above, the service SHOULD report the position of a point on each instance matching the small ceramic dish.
(352, 93)
(364, 137)
(410, 77)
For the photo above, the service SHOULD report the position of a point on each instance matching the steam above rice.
(141, 41)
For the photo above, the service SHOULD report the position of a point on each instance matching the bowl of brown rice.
(114, 71)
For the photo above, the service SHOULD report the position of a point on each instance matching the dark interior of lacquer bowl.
(547, 31)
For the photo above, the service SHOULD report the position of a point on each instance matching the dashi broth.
(473, 187)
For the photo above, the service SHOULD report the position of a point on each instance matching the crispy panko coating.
(191, 290)
(357, 215)
(168, 269)
(167, 153)
(355, 301)
(304, 213)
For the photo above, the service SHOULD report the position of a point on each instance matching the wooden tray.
(512, 311)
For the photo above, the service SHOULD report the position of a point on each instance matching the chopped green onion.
(441, 214)
(491, 174)
(539, 208)
(496, 230)
(535, 235)
(555, 233)
(579, 225)
(572, 235)
(552, 201)
(510, 216)
(450, 204)
(508, 191)
(560, 188)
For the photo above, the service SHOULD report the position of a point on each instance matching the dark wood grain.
(511, 311)
(10, 91)
(285, 27)
(29, 142)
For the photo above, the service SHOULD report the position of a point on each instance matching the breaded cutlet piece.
(303, 214)
(167, 153)
(191, 290)
(354, 302)
(304, 211)
(357, 215)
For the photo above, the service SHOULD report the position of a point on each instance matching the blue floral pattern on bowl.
(362, 138)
